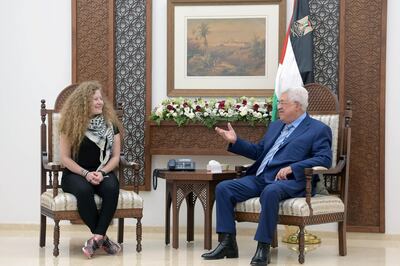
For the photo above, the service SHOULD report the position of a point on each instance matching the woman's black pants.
(97, 220)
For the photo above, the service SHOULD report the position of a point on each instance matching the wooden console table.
(191, 185)
(196, 139)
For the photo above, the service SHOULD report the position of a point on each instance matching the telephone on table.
(174, 165)
(181, 165)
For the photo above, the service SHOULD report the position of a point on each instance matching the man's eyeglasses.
(283, 102)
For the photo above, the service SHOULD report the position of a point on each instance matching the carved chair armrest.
(331, 171)
(51, 166)
(125, 164)
(309, 172)
(241, 170)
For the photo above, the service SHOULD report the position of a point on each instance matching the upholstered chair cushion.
(55, 137)
(67, 202)
(297, 206)
(333, 122)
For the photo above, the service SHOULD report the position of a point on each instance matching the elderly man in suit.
(294, 142)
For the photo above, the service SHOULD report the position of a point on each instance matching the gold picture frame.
(224, 47)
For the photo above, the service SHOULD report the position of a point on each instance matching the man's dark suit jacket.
(309, 145)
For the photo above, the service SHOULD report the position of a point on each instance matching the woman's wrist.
(84, 172)
(102, 172)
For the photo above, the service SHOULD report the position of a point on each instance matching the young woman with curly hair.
(90, 146)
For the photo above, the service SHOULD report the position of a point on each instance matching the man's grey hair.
(298, 94)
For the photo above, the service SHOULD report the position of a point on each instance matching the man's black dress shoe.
(226, 248)
(262, 256)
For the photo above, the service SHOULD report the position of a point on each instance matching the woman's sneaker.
(110, 247)
(91, 246)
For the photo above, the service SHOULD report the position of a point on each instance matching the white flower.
(257, 114)
(189, 114)
(174, 114)
(159, 111)
(243, 110)
(206, 114)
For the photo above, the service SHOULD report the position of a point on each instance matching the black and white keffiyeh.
(102, 134)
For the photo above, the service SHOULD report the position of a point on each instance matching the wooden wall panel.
(362, 80)
(93, 43)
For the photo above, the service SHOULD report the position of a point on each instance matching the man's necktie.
(284, 134)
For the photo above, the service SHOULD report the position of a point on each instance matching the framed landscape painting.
(224, 47)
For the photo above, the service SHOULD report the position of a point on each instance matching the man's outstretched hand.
(228, 135)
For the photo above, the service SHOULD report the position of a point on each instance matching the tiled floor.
(19, 245)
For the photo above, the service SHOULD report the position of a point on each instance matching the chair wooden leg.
(274, 243)
(42, 241)
(56, 238)
(139, 235)
(301, 244)
(342, 239)
(120, 230)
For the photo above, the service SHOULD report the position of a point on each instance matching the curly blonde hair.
(76, 113)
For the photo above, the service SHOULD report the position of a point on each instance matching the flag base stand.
(291, 238)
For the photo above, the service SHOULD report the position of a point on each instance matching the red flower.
(255, 107)
(221, 105)
(185, 104)
(244, 102)
(170, 107)
(198, 108)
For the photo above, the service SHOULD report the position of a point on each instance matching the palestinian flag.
(296, 62)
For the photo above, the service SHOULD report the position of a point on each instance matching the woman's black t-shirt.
(89, 154)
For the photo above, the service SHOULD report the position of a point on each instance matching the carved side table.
(190, 185)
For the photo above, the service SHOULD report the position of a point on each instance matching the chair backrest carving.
(321, 100)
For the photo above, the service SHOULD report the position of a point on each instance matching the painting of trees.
(226, 47)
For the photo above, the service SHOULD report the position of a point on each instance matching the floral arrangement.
(209, 112)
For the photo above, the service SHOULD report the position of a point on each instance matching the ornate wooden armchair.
(319, 209)
(58, 205)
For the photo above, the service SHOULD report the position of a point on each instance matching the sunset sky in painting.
(228, 30)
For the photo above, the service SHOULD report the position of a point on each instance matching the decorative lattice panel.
(325, 19)
(130, 66)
